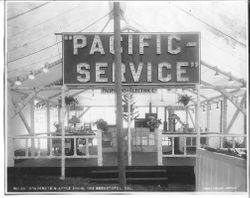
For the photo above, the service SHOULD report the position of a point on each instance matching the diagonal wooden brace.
(235, 114)
(229, 97)
(23, 119)
(25, 102)
(85, 111)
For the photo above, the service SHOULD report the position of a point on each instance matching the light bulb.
(45, 69)
(216, 74)
(18, 82)
(31, 76)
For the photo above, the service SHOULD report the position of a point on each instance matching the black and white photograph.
(126, 97)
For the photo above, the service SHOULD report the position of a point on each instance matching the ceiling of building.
(31, 42)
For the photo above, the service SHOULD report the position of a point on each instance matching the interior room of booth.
(103, 106)
(217, 49)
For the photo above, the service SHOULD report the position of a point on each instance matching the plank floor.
(109, 159)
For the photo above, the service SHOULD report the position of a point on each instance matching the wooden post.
(197, 117)
(170, 123)
(208, 117)
(59, 114)
(63, 134)
(245, 118)
(221, 119)
(67, 110)
(11, 151)
(165, 127)
(48, 128)
(32, 126)
(118, 85)
(224, 115)
(159, 147)
(129, 131)
(187, 116)
(99, 148)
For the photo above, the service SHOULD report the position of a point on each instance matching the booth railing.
(184, 145)
(76, 146)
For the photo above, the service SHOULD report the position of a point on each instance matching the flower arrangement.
(184, 99)
(102, 124)
(153, 122)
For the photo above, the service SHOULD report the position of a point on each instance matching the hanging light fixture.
(203, 107)
(230, 80)
(217, 105)
(31, 76)
(217, 74)
(18, 81)
(45, 68)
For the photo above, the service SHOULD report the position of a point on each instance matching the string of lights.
(46, 68)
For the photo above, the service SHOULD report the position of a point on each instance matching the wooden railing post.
(159, 147)
(99, 147)
(63, 133)
(50, 139)
(32, 126)
(11, 151)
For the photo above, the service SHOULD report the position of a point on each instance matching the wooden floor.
(109, 159)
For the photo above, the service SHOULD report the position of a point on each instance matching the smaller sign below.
(130, 90)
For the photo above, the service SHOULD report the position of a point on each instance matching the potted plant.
(184, 99)
(153, 123)
(74, 120)
(69, 101)
(102, 125)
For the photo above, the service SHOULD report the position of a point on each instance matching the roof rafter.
(228, 74)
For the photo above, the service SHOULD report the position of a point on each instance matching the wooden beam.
(236, 104)
(224, 115)
(214, 98)
(40, 88)
(25, 102)
(187, 116)
(36, 97)
(22, 117)
(191, 118)
(129, 131)
(197, 117)
(59, 93)
(32, 126)
(237, 111)
(223, 72)
(48, 126)
(59, 115)
(63, 134)
(196, 94)
(79, 92)
(221, 87)
(118, 86)
(82, 114)
(229, 96)
(55, 95)
(208, 117)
